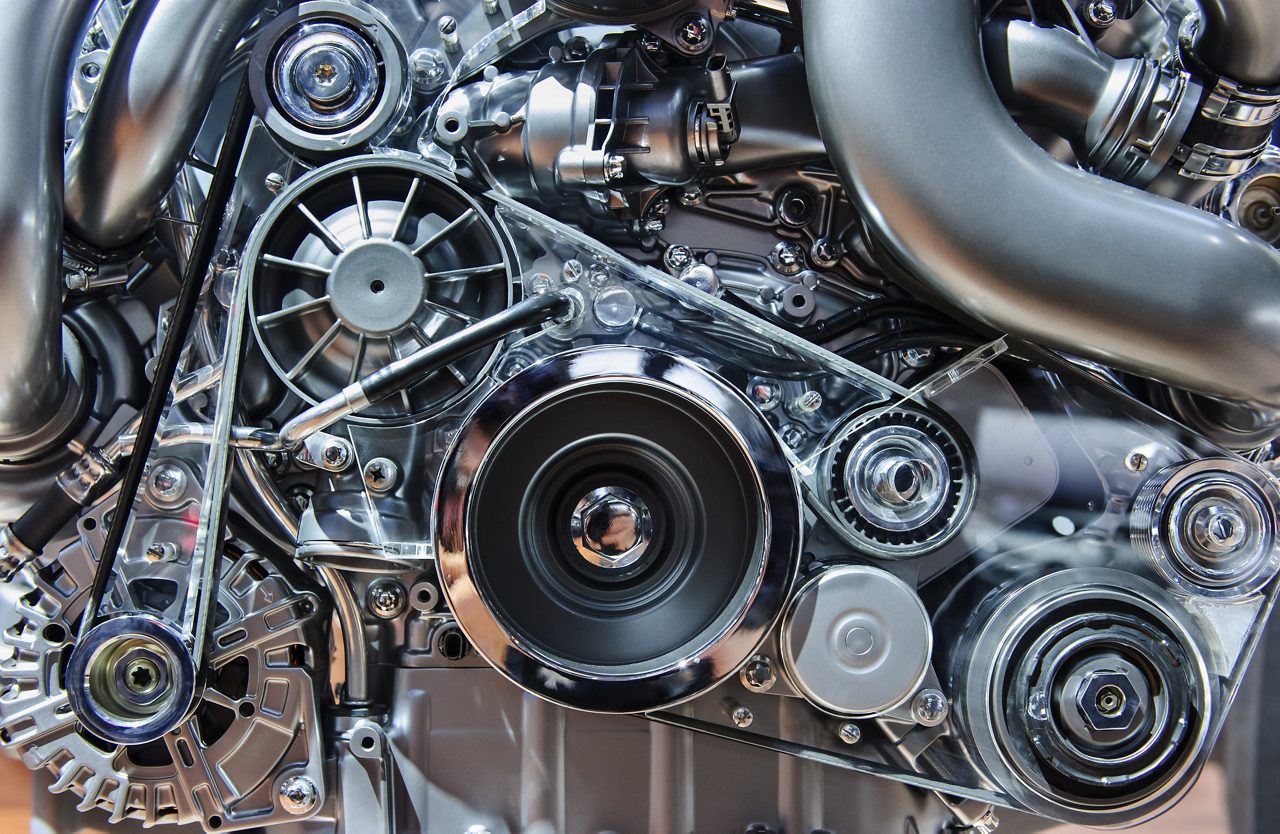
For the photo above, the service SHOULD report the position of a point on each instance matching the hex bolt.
(386, 598)
(381, 475)
(275, 182)
(849, 733)
(793, 435)
(930, 707)
(298, 795)
(430, 69)
(1100, 13)
(758, 674)
(448, 26)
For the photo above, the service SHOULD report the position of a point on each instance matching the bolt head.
(1101, 13)
(381, 475)
(827, 253)
(758, 674)
(849, 733)
(572, 271)
(160, 552)
(930, 707)
(430, 69)
(336, 455)
(1219, 528)
(678, 257)
(298, 795)
(741, 717)
(694, 34)
(275, 182)
(386, 598)
(788, 258)
(1108, 701)
(1136, 462)
(167, 483)
(611, 527)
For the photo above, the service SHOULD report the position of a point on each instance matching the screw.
(167, 483)
(738, 714)
(758, 675)
(598, 277)
(805, 404)
(930, 707)
(275, 182)
(787, 257)
(615, 167)
(386, 598)
(1101, 13)
(849, 733)
(694, 34)
(381, 475)
(573, 271)
(540, 284)
(827, 253)
(448, 26)
(653, 225)
(765, 394)
(161, 552)
(298, 795)
(1136, 462)
(678, 257)
(336, 455)
(651, 43)
(916, 357)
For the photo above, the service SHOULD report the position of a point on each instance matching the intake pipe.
(992, 225)
(38, 396)
(153, 94)
(1240, 39)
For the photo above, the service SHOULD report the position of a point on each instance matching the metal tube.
(154, 92)
(37, 43)
(966, 203)
(1240, 39)
(390, 379)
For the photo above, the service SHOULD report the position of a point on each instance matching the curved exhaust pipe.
(155, 89)
(991, 224)
(38, 395)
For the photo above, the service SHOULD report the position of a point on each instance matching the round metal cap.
(857, 641)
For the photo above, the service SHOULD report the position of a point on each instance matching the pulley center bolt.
(1218, 528)
(898, 480)
(141, 677)
(324, 74)
(611, 527)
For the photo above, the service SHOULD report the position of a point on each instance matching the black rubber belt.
(202, 251)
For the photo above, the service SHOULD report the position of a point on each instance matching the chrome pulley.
(1088, 696)
(365, 261)
(901, 481)
(328, 77)
(259, 685)
(618, 529)
(1208, 527)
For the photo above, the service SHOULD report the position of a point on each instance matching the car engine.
(634, 415)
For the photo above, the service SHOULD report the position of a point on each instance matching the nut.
(1108, 701)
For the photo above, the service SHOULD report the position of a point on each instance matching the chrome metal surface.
(1052, 254)
(715, 652)
(37, 44)
(154, 92)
